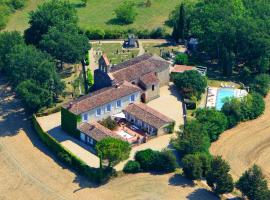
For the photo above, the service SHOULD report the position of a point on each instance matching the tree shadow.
(78, 5)
(179, 180)
(202, 194)
(116, 21)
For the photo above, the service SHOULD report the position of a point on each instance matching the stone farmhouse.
(147, 72)
(119, 93)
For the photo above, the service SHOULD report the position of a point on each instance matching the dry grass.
(247, 144)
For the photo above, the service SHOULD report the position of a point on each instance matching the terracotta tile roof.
(135, 68)
(96, 131)
(106, 60)
(101, 97)
(182, 68)
(149, 79)
(148, 115)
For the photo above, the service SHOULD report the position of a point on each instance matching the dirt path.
(29, 171)
(247, 144)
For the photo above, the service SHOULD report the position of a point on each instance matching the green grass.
(99, 13)
(111, 50)
(19, 20)
(155, 48)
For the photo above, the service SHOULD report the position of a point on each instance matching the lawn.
(100, 14)
(155, 48)
(114, 52)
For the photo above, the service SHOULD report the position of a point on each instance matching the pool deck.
(212, 92)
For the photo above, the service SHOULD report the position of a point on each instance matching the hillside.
(100, 14)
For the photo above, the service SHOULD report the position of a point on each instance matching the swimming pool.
(222, 94)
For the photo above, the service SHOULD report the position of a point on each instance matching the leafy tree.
(192, 138)
(231, 108)
(112, 149)
(218, 177)
(49, 14)
(65, 44)
(181, 59)
(33, 96)
(196, 166)
(7, 42)
(126, 12)
(261, 84)
(191, 83)
(192, 167)
(84, 2)
(213, 121)
(132, 167)
(253, 184)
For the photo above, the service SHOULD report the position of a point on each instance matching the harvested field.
(247, 144)
(30, 172)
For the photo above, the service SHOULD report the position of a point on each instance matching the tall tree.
(192, 138)
(253, 184)
(218, 177)
(50, 13)
(179, 28)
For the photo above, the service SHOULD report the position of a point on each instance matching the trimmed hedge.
(69, 122)
(95, 175)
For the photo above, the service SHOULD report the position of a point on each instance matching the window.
(153, 87)
(132, 98)
(85, 117)
(118, 103)
(109, 107)
(98, 112)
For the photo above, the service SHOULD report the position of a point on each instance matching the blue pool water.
(222, 94)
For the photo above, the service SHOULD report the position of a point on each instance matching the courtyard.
(168, 96)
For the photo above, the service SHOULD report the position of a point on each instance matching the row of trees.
(7, 7)
(194, 139)
(227, 30)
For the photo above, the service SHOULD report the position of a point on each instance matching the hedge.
(69, 122)
(99, 34)
(95, 175)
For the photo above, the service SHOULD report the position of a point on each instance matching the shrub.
(132, 167)
(181, 59)
(109, 123)
(158, 33)
(165, 162)
(95, 34)
(231, 109)
(146, 158)
(150, 160)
